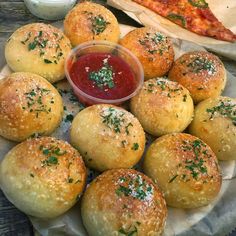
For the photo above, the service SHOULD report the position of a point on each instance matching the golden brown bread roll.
(202, 73)
(40, 49)
(107, 137)
(153, 49)
(185, 168)
(90, 21)
(215, 123)
(162, 107)
(123, 202)
(29, 105)
(43, 177)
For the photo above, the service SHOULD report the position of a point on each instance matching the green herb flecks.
(153, 43)
(127, 128)
(113, 118)
(135, 187)
(52, 153)
(184, 97)
(173, 178)
(198, 3)
(195, 166)
(135, 146)
(200, 64)
(103, 77)
(158, 37)
(70, 180)
(177, 19)
(69, 118)
(161, 84)
(99, 24)
(35, 101)
(27, 38)
(40, 42)
(225, 109)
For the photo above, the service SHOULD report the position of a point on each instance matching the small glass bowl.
(50, 9)
(104, 47)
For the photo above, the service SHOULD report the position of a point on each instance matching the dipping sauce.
(103, 75)
(50, 9)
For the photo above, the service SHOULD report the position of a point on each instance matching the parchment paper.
(219, 218)
(224, 10)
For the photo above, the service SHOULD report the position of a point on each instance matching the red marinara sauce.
(103, 75)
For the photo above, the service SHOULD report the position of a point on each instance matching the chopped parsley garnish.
(177, 18)
(35, 102)
(135, 187)
(195, 166)
(47, 61)
(69, 118)
(173, 178)
(27, 39)
(161, 84)
(152, 43)
(135, 146)
(224, 108)
(99, 24)
(184, 97)
(40, 42)
(158, 37)
(103, 77)
(51, 160)
(113, 118)
(70, 180)
(200, 64)
(51, 153)
(127, 128)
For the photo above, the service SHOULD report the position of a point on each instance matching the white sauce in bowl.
(49, 9)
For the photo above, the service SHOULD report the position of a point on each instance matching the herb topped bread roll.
(185, 168)
(107, 137)
(40, 49)
(153, 49)
(123, 202)
(90, 21)
(29, 105)
(162, 106)
(43, 177)
(215, 123)
(202, 73)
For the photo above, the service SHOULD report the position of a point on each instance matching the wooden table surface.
(14, 14)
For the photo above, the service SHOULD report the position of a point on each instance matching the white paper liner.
(201, 221)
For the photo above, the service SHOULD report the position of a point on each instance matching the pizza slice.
(194, 15)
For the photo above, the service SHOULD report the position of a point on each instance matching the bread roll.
(29, 105)
(185, 168)
(123, 202)
(40, 49)
(202, 73)
(215, 123)
(90, 21)
(43, 177)
(162, 107)
(107, 137)
(153, 49)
